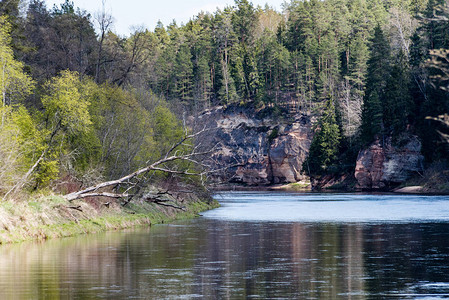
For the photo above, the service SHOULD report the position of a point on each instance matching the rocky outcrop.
(288, 152)
(384, 165)
(262, 150)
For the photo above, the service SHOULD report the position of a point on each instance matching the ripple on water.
(330, 208)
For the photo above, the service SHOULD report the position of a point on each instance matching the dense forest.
(79, 101)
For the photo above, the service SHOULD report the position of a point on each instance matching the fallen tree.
(128, 186)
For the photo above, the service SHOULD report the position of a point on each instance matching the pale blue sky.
(128, 13)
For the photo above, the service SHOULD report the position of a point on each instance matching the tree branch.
(159, 165)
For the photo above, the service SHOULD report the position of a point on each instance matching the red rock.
(381, 166)
(287, 153)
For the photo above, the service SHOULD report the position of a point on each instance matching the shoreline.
(301, 188)
(50, 217)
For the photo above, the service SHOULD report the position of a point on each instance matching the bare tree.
(402, 25)
(124, 187)
(104, 21)
(351, 105)
(439, 60)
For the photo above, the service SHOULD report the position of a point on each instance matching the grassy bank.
(52, 216)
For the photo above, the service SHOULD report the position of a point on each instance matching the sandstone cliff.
(265, 150)
(384, 165)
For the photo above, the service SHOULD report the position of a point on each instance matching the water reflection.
(217, 259)
(285, 261)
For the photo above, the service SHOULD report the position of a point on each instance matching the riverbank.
(51, 216)
(431, 183)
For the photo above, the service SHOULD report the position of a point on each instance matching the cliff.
(262, 149)
(384, 165)
(256, 148)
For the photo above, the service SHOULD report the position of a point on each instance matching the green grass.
(53, 217)
(300, 185)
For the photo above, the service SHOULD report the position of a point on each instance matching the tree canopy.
(98, 103)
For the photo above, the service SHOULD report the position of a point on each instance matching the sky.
(130, 14)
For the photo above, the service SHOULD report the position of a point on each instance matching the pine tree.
(225, 41)
(377, 77)
(397, 105)
(184, 73)
(244, 20)
(325, 145)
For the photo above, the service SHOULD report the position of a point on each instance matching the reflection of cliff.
(285, 261)
(319, 261)
(229, 260)
(329, 261)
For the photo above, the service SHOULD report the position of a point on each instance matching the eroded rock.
(288, 152)
(384, 165)
(264, 150)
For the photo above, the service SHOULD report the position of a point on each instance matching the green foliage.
(167, 128)
(21, 143)
(325, 145)
(130, 130)
(273, 134)
(15, 85)
(122, 128)
(398, 105)
(377, 78)
(66, 104)
(291, 62)
(184, 73)
(30, 139)
(372, 117)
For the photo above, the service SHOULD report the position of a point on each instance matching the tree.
(66, 115)
(66, 104)
(128, 186)
(184, 73)
(325, 145)
(104, 21)
(428, 61)
(224, 37)
(244, 21)
(377, 77)
(199, 37)
(60, 39)
(21, 143)
(397, 106)
(15, 84)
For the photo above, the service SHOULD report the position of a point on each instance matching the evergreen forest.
(81, 103)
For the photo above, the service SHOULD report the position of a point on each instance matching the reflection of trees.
(329, 261)
(43, 270)
(283, 261)
(109, 266)
(400, 256)
(221, 260)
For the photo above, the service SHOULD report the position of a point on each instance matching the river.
(258, 245)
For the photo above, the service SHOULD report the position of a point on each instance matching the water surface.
(257, 245)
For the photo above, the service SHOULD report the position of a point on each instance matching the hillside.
(83, 105)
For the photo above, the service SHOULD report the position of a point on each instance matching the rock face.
(385, 166)
(288, 152)
(263, 150)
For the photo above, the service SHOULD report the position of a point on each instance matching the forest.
(81, 103)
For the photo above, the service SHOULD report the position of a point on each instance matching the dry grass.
(435, 178)
(51, 216)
